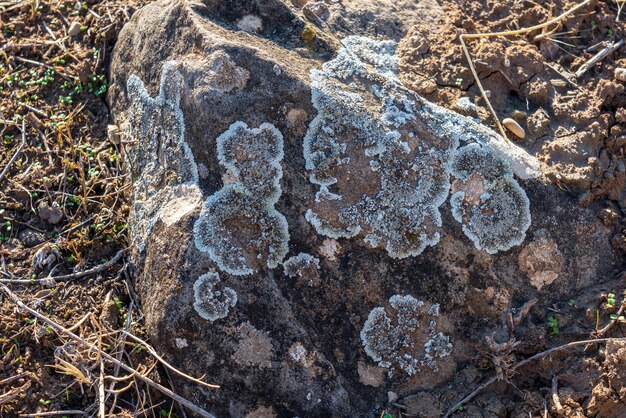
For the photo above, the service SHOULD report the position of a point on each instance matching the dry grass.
(63, 216)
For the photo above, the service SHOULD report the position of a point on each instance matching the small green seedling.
(553, 324)
(610, 300)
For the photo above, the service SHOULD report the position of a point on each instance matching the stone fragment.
(74, 29)
(51, 214)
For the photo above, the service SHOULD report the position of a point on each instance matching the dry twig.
(609, 49)
(51, 281)
(53, 413)
(17, 152)
(555, 395)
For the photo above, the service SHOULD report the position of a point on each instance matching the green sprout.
(610, 300)
(553, 324)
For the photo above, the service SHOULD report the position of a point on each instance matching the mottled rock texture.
(188, 77)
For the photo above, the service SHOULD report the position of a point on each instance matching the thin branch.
(17, 152)
(53, 413)
(620, 6)
(165, 391)
(101, 409)
(51, 281)
(555, 395)
(166, 364)
(599, 57)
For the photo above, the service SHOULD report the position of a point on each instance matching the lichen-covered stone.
(291, 345)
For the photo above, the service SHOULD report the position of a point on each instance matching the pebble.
(30, 237)
(518, 114)
(316, 11)
(464, 104)
(392, 396)
(514, 127)
(620, 74)
(51, 214)
(250, 23)
(74, 28)
(113, 134)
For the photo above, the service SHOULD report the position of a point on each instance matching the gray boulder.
(310, 234)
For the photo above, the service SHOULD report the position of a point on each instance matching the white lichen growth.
(298, 264)
(361, 104)
(380, 153)
(250, 23)
(486, 199)
(211, 300)
(238, 227)
(159, 158)
(405, 336)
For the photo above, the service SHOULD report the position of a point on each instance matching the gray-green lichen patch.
(298, 264)
(376, 180)
(160, 160)
(238, 227)
(405, 335)
(304, 268)
(212, 300)
(380, 154)
(486, 200)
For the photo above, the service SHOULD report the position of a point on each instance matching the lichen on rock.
(212, 301)
(298, 264)
(405, 336)
(541, 259)
(159, 158)
(380, 153)
(387, 185)
(486, 199)
(254, 348)
(238, 227)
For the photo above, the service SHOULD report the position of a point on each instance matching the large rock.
(310, 234)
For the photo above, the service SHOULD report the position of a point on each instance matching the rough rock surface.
(253, 138)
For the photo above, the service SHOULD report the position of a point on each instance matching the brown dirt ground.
(63, 210)
(62, 204)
